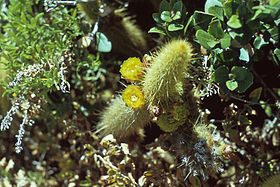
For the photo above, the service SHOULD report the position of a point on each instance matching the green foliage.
(239, 78)
(233, 33)
(29, 40)
(87, 69)
(171, 19)
(234, 25)
(37, 50)
(102, 43)
(40, 52)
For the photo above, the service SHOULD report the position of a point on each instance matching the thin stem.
(73, 2)
(250, 102)
(265, 86)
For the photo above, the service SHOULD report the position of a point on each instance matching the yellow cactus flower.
(131, 69)
(133, 97)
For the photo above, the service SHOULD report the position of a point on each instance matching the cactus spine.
(162, 83)
(121, 120)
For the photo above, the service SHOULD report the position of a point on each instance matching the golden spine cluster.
(272, 181)
(163, 81)
(90, 10)
(121, 120)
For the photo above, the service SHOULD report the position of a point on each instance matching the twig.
(250, 102)
(265, 86)
(73, 2)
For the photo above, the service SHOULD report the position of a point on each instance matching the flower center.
(133, 98)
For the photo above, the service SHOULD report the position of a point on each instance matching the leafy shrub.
(231, 34)
(37, 51)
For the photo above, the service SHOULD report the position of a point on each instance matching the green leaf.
(164, 6)
(226, 41)
(166, 16)
(257, 14)
(217, 12)
(205, 39)
(231, 85)
(239, 73)
(274, 32)
(220, 75)
(276, 56)
(177, 7)
(38, 16)
(212, 43)
(23, 18)
(234, 22)
(156, 17)
(211, 3)
(267, 109)
(175, 27)
(236, 35)
(184, 13)
(102, 43)
(217, 51)
(273, 2)
(277, 52)
(34, 21)
(259, 42)
(177, 16)
(277, 21)
(244, 55)
(230, 8)
(201, 20)
(244, 84)
(215, 29)
(157, 29)
(255, 95)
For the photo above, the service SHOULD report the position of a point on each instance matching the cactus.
(121, 120)
(272, 181)
(120, 28)
(90, 10)
(126, 37)
(162, 82)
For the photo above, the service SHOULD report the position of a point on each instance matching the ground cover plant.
(139, 93)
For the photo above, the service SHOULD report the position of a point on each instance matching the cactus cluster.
(159, 89)
(160, 83)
